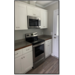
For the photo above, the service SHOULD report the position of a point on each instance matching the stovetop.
(36, 41)
(33, 38)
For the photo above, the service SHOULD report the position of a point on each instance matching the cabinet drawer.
(48, 41)
(27, 49)
(18, 53)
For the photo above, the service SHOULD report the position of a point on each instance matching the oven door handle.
(38, 44)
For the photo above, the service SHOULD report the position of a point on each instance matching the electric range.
(38, 48)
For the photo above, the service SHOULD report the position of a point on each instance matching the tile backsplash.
(20, 34)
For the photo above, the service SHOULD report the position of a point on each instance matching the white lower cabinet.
(47, 48)
(28, 61)
(24, 62)
(18, 67)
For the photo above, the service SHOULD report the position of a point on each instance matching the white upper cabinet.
(43, 19)
(30, 10)
(37, 12)
(33, 11)
(20, 16)
(22, 10)
(16, 16)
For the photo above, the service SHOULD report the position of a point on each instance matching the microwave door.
(37, 23)
(31, 22)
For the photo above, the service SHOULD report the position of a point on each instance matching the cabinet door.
(30, 10)
(23, 62)
(22, 16)
(33, 11)
(28, 61)
(47, 48)
(36, 12)
(18, 67)
(43, 19)
(16, 16)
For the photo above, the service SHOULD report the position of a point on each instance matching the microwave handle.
(39, 22)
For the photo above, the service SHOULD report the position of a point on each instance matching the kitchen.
(34, 46)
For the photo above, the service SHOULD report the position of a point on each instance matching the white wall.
(50, 9)
(20, 34)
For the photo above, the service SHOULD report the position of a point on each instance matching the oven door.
(38, 52)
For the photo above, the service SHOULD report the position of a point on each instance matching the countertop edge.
(22, 47)
(48, 38)
(29, 45)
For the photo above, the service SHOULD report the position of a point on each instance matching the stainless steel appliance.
(33, 22)
(38, 48)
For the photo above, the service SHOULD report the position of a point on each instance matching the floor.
(50, 66)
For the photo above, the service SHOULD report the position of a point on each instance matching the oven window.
(39, 50)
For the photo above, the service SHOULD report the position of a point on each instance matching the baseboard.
(55, 56)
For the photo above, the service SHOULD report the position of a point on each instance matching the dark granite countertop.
(22, 43)
(45, 37)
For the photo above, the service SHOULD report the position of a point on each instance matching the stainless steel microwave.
(33, 22)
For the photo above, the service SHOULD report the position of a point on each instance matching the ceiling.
(41, 4)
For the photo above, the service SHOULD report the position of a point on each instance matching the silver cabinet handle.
(27, 49)
(17, 27)
(24, 57)
(33, 14)
(16, 53)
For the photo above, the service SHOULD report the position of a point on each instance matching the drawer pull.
(27, 49)
(17, 27)
(16, 53)
(23, 57)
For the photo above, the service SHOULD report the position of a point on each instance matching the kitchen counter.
(45, 37)
(21, 44)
